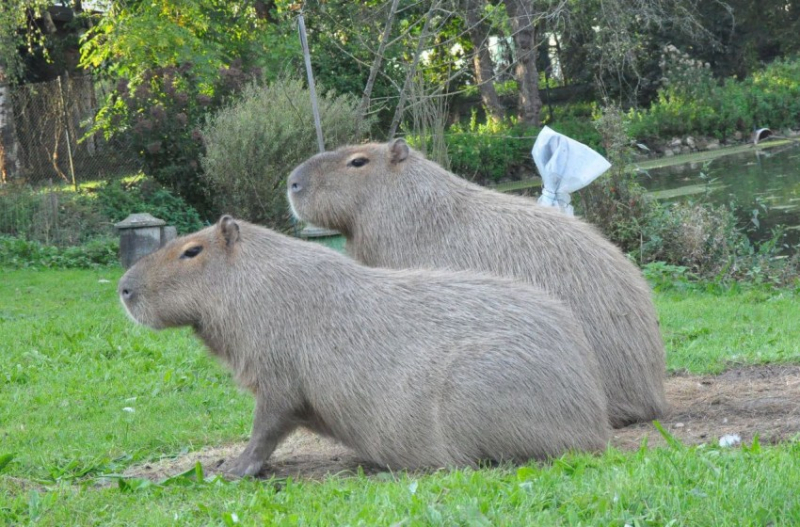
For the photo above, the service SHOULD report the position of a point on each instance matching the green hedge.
(18, 253)
(769, 98)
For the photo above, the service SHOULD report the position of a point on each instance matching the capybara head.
(176, 285)
(326, 189)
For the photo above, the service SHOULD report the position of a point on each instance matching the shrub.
(489, 152)
(253, 143)
(615, 202)
(118, 199)
(160, 114)
(59, 216)
(701, 237)
(19, 253)
(692, 102)
(52, 215)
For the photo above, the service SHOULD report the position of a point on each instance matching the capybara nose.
(125, 289)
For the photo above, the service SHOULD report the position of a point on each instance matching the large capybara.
(409, 368)
(400, 210)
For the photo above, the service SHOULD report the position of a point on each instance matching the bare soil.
(763, 400)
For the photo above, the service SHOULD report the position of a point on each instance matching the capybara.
(400, 210)
(409, 368)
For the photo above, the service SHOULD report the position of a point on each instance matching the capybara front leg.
(269, 426)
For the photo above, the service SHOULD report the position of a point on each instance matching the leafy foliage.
(615, 202)
(254, 142)
(134, 38)
(494, 150)
(489, 152)
(53, 216)
(173, 61)
(695, 103)
(19, 253)
(118, 199)
(59, 227)
(162, 115)
(14, 15)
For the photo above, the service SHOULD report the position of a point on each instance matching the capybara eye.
(358, 162)
(191, 252)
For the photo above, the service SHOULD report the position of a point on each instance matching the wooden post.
(9, 152)
(307, 55)
(66, 132)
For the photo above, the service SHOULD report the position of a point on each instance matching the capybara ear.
(398, 150)
(229, 229)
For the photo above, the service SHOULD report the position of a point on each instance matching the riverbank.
(708, 155)
(648, 163)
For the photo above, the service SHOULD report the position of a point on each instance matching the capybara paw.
(242, 466)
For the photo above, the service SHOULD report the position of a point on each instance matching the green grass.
(71, 364)
(701, 486)
(705, 332)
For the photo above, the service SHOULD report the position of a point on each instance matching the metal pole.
(314, 108)
(66, 131)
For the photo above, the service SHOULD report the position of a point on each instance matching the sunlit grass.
(85, 393)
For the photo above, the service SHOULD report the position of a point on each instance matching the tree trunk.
(264, 10)
(9, 158)
(412, 71)
(520, 13)
(363, 106)
(482, 60)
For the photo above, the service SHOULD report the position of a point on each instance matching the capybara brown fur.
(410, 368)
(400, 210)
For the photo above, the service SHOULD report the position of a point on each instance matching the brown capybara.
(400, 210)
(409, 368)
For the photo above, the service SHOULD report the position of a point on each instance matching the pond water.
(761, 183)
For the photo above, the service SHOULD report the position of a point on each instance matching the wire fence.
(52, 121)
(54, 155)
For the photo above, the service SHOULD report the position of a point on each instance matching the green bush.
(254, 142)
(59, 216)
(51, 215)
(491, 151)
(20, 253)
(159, 113)
(695, 240)
(701, 237)
(615, 202)
(696, 104)
(118, 199)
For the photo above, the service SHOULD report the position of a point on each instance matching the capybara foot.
(243, 466)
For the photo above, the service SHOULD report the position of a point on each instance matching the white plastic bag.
(566, 166)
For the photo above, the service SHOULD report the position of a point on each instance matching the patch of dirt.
(302, 454)
(743, 401)
(763, 400)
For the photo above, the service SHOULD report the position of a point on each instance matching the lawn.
(84, 394)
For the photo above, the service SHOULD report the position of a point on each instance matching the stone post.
(140, 235)
(327, 237)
